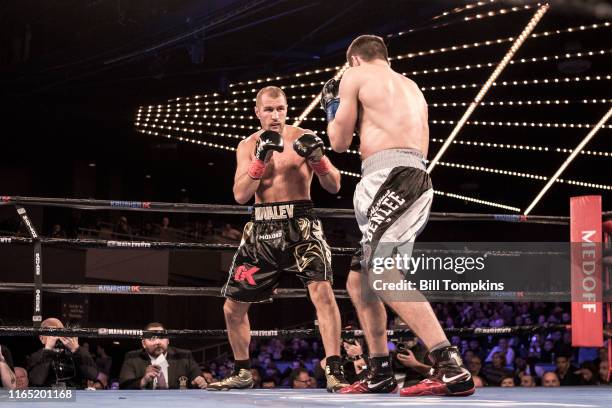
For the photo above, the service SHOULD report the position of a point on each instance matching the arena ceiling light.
(569, 159)
(513, 49)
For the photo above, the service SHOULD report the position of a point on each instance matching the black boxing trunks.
(281, 237)
(392, 203)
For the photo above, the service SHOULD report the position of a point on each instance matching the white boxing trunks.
(392, 202)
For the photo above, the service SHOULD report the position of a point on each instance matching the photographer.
(355, 368)
(61, 361)
(410, 354)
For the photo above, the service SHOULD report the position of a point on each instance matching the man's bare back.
(392, 109)
(287, 176)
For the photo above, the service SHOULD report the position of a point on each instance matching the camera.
(59, 346)
(403, 346)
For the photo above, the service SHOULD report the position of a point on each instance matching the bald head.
(52, 322)
(21, 378)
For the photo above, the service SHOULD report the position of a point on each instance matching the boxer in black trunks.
(276, 165)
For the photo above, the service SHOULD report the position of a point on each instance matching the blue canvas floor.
(579, 397)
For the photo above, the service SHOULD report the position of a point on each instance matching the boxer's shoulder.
(252, 138)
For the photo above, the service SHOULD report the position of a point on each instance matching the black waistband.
(284, 210)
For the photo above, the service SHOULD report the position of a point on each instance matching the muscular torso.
(287, 176)
(392, 109)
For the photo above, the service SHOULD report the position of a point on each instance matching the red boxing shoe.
(448, 377)
(434, 386)
(384, 385)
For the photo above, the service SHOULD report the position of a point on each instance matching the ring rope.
(283, 293)
(21, 331)
(102, 243)
(98, 243)
(90, 204)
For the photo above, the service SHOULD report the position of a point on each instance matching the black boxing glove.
(329, 98)
(309, 146)
(269, 142)
(312, 148)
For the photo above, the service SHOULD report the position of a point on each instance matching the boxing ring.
(163, 121)
(582, 396)
(573, 397)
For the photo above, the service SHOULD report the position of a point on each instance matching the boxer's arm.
(330, 181)
(244, 185)
(340, 130)
(312, 148)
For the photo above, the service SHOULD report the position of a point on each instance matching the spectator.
(300, 379)
(417, 369)
(527, 381)
(122, 229)
(103, 361)
(208, 375)
(209, 228)
(21, 378)
(100, 383)
(7, 376)
(230, 232)
(547, 353)
(164, 228)
(566, 372)
(256, 377)
(57, 232)
(159, 366)
(505, 349)
(507, 382)
(494, 373)
(587, 374)
(474, 346)
(550, 379)
(268, 382)
(604, 375)
(474, 365)
(61, 360)
(478, 382)
(354, 353)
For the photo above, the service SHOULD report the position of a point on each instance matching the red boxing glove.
(256, 169)
(321, 167)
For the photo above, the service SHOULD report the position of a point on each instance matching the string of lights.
(503, 40)
(344, 172)
(508, 83)
(527, 60)
(456, 10)
(477, 201)
(556, 80)
(519, 124)
(495, 145)
(479, 16)
(505, 146)
(454, 69)
(521, 102)
(144, 122)
(485, 88)
(522, 175)
(187, 140)
(569, 159)
(432, 51)
(445, 164)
